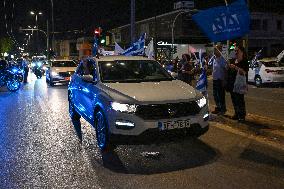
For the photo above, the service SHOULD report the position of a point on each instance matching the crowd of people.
(224, 74)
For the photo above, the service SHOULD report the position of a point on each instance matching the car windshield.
(64, 64)
(273, 64)
(127, 71)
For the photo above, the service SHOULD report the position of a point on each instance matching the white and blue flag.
(150, 52)
(137, 48)
(117, 49)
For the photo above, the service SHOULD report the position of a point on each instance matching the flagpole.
(228, 41)
(132, 22)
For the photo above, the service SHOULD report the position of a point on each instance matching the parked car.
(60, 71)
(266, 71)
(131, 96)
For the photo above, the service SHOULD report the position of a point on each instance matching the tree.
(6, 45)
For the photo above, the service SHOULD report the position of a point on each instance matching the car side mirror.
(89, 79)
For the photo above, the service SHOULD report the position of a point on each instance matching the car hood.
(152, 92)
(63, 69)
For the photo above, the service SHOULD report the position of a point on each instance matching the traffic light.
(98, 32)
(233, 45)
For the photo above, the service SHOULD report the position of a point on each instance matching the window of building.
(279, 25)
(265, 25)
(255, 24)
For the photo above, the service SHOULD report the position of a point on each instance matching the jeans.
(239, 105)
(219, 95)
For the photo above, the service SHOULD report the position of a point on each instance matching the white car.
(267, 70)
(134, 97)
(60, 71)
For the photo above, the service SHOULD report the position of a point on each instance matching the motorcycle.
(10, 79)
(18, 72)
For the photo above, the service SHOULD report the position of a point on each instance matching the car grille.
(66, 74)
(167, 111)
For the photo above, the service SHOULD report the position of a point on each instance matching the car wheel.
(258, 81)
(72, 111)
(102, 134)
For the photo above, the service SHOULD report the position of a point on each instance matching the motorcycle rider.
(26, 69)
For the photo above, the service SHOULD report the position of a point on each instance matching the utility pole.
(47, 40)
(52, 20)
(132, 22)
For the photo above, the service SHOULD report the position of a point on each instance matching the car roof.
(271, 59)
(112, 58)
(60, 60)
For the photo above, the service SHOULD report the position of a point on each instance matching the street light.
(173, 25)
(36, 17)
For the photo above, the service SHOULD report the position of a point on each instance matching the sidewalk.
(266, 127)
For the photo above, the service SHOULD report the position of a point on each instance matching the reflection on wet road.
(39, 148)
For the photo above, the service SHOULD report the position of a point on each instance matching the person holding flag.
(219, 71)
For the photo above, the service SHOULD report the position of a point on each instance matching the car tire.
(258, 81)
(74, 115)
(102, 134)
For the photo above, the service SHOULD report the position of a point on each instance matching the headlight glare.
(202, 102)
(127, 108)
(54, 73)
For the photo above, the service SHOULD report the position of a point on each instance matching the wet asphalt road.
(39, 148)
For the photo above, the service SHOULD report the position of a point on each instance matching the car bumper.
(151, 136)
(141, 126)
(60, 80)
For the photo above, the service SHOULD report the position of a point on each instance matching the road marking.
(249, 136)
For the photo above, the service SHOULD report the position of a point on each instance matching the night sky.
(84, 15)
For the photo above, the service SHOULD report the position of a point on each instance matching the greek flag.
(118, 50)
(256, 57)
(95, 47)
(224, 22)
(137, 48)
(149, 52)
(202, 81)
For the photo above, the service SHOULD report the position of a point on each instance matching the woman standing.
(240, 66)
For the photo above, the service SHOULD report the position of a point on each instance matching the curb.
(255, 125)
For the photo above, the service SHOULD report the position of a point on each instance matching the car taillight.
(270, 71)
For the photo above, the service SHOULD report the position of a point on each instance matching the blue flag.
(201, 85)
(136, 48)
(95, 47)
(224, 22)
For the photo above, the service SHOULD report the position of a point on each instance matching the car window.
(63, 64)
(132, 71)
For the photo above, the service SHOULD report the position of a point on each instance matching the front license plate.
(67, 78)
(178, 124)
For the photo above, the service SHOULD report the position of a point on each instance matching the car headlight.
(54, 73)
(126, 108)
(202, 102)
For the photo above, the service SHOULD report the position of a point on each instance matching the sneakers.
(235, 117)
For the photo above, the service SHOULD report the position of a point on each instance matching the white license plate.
(178, 124)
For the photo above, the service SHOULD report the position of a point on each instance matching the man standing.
(26, 69)
(219, 70)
